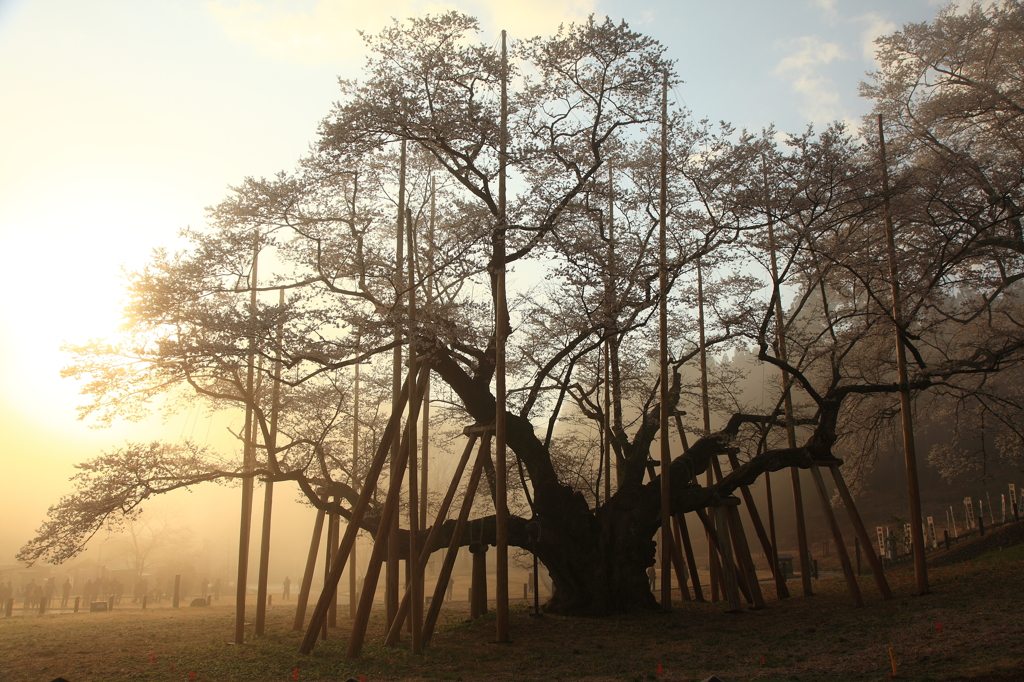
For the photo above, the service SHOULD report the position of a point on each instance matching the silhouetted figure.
(652, 576)
(287, 592)
(216, 589)
(65, 593)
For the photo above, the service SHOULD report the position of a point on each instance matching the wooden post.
(413, 566)
(249, 455)
(906, 415)
(380, 545)
(435, 530)
(391, 578)
(744, 561)
(666, 456)
(691, 562)
(766, 545)
(609, 305)
(356, 518)
(332, 547)
(478, 605)
(456, 540)
(352, 565)
(261, 584)
(714, 531)
(862, 533)
(678, 563)
(729, 570)
(500, 334)
(307, 574)
(268, 492)
(837, 536)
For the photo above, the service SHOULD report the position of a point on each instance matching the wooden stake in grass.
(892, 660)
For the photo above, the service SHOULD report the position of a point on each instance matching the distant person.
(88, 592)
(65, 593)
(216, 589)
(652, 576)
(451, 588)
(286, 593)
(30, 593)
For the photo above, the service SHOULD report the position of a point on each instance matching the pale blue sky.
(121, 120)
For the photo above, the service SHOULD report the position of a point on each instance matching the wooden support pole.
(501, 334)
(766, 544)
(435, 530)
(666, 456)
(249, 456)
(714, 531)
(678, 562)
(781, 588)
(307, 575)
(744, 561)
(837, 537)
(356, 518)
(787, 396)
(352, 564)
(906, 413)
(456, 540)
(691, 562)
(261, 585)
(413, 567)
(865, 540)
(729, 570)
(333, 524)
(478, 588)
(391, 578)
(268, 493)
(380, 545)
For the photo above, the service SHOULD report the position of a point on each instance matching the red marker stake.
(938, 625)
(192, 675)
(659, 669)
(152, 658)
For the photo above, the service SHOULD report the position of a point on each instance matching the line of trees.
(761, 218)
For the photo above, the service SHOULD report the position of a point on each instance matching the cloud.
(874, 26)
(802, 68)
(326, 31)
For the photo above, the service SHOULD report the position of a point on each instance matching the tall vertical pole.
(352, 566)
(428, 301)
(391, 576)
(307, 574)
(352, 585)
(909, 450)
(415, 568)
(500, 332)
(249, 455)
(714, 566)
(666, 455)
(787, 397)
(268, 492)
(610, 302)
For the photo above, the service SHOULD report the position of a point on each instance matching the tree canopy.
(785, 237)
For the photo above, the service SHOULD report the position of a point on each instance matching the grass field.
(977, 603)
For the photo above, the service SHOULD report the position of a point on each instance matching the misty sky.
(121, 120)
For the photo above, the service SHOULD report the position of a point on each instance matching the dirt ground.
(969, 628)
